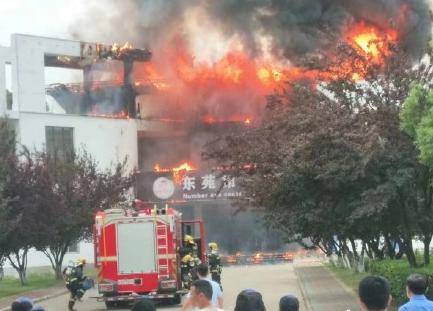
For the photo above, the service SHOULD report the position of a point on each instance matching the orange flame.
(372, 42)
(178, 171)
(210, 119)
(181, 84)
(373, 46)
(182, 167)
(117, 49)
(118, 115)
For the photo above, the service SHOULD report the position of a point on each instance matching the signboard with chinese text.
(190, 186)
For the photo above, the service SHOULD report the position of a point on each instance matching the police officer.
(74, 277)
(214, 262)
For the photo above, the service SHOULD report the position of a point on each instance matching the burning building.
(207, 70)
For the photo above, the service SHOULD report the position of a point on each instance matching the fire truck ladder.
(162, 251)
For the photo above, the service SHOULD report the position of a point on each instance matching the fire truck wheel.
(176, 300)
(110, 304)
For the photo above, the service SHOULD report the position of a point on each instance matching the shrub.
(397, 271)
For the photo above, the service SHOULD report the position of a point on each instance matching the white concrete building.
(41, 121)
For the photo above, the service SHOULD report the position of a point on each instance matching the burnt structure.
(90, 96)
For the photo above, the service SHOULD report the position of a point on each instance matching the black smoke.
(294, 27)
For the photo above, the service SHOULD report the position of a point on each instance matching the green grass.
(11, 286)
(348, 277)
(90, 271)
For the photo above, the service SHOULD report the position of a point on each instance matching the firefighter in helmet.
(189, 259)
(73, 275)
(214, 262)
(186, 265)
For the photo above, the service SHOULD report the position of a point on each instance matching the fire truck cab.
(136, 253)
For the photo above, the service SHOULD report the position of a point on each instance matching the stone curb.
(39, 299)
(305, 298)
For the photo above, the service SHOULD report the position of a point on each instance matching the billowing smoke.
(245, 45)
(233, 36)
(283, 28)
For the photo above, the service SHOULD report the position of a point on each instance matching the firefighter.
(189, 259)
(190, 247)
(214, 262)
(187, 264)
(188, 243)
(74, 277)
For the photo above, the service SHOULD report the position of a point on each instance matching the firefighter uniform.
(214, 262)
(74, 277)
(186, 265)
(189, 260)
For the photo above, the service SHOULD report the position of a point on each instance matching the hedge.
(397, 271)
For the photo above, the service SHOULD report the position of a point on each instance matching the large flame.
(178, 171)
(185, 166)
(372, 42)
(232, 88)
(236, 70)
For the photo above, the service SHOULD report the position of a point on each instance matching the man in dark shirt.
(374, 293)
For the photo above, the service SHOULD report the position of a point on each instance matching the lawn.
(348, 277)
(10, 286)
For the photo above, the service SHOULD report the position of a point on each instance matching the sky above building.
(49, 18)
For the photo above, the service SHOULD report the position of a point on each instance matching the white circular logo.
(163, 188)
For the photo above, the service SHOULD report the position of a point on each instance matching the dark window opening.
(8, 82)
(74, 248)
(60, 142)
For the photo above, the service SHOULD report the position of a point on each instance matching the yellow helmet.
(188, 239)
(187, 258)
(213, 246)
(81, 261)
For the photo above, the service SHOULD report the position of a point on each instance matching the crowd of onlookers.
(374, 295)
(206, 295)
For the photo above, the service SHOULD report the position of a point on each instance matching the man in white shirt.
(200, 297)
(217, 295)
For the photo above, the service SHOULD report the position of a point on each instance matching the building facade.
(41, 122)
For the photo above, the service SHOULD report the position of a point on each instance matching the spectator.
(22, 304)
(201, 297)
(249, 300)
(374, 293)
(143, 305)
(217, 295)
(416, 286)
(289, 303)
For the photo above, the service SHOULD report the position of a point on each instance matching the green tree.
(23, 216)
(80, 189)
(417, 120)
(7, 150)
(331, 163)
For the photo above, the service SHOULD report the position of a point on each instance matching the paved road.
(273, 281)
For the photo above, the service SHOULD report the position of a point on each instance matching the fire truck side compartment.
(136, 248)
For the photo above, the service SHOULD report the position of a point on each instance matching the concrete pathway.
(323, 292)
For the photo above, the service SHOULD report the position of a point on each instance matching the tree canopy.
(331, 163)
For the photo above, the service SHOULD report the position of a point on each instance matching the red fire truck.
(136, 253)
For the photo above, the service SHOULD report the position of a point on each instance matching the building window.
(60, 142)
(74, 248)
(8, 81)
